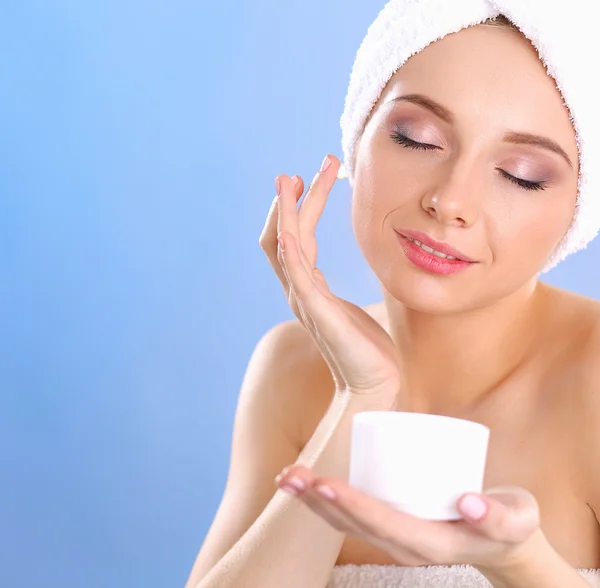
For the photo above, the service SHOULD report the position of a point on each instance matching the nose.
(452, 200)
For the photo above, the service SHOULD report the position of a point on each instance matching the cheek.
(386, 176)
(388, 181)
(366, 216)
(529, 228)
(367, 206)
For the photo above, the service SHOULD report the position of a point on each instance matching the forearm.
(289, 545)
(542, 568)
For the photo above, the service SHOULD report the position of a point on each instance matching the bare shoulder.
(585, 326)
(569, 339)
(574, 318)
(572, 333)
(582, 386)
(311, 386)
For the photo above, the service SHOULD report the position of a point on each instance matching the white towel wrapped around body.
(377, 576)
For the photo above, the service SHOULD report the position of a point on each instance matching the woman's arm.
(261, 537)
(288, 545)
(261, 444)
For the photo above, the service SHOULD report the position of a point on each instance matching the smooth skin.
(492, 343)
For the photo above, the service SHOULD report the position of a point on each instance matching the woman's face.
(469, 173)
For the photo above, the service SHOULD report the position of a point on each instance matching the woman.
(467, 183)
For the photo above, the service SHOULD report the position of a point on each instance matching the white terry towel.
(564, 35)
(376, 576)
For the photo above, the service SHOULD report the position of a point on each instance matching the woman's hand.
(501, 528)
(360, 354)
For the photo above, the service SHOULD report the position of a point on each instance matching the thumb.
(506, 513)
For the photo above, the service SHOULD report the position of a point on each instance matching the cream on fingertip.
(342, 173)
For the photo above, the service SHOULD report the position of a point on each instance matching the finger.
(299, 184)
(331, 514)
(389, 525)
(310, 277)
(305, 317)
(288, 207)
(320, 305)
(293, 300)
(268, 240)
(283, 473)
(347, 524)
(317, 301)
(269, 243)
(298, 471)
(343, 521)
(289, 214)
(268, 236)
(509, 514)
(300, 480)
(288, 218)
(313, 204)
(328, 312)
(303, 278)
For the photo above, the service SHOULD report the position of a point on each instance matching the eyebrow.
(437, 109)
(538, 141)
(517, 138)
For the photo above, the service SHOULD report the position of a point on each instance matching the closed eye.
(526, 184)
(406, 142)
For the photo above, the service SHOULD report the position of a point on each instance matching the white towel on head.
(563, 35)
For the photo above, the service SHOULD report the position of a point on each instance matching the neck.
(452, 362)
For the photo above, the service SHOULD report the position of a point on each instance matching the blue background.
(138, 146)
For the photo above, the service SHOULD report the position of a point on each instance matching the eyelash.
(406, 142)
(525, 184)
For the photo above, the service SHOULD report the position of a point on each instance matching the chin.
(431, 294)
(434, 293)
(474, 288)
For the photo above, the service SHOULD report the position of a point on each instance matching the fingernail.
(296, 483)
(473, 507)
(325, 491)
(277, 186)
(281, 243)
(326, 163)
(295, 180)
(289, 489)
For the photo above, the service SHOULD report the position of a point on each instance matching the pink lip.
(428, 261)
(441, 247)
